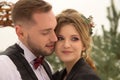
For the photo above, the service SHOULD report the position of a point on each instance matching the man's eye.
(75, 39)
(60, 38)
(45, 33)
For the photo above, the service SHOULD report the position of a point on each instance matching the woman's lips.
(66, 52)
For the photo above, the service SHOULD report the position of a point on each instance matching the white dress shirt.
(9, 71)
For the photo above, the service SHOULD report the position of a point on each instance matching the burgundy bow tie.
(38, 61)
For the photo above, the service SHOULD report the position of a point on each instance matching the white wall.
(7, 37)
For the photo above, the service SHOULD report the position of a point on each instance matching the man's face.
(40, 37)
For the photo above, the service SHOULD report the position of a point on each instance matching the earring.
(84, 54)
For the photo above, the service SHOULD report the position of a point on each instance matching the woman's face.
(69, 45)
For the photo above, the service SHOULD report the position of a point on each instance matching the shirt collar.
(27, 53)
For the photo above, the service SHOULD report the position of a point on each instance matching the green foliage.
(106, 49)
(106, 52)
(55, 62)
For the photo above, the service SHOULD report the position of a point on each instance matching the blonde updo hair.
(71, 16)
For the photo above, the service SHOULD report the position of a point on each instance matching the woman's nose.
(66, 44)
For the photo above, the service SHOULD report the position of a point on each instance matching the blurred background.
(106, 37)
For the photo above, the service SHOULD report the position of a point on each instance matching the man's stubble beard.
(37, 51)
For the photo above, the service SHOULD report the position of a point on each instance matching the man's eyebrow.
(46, 29)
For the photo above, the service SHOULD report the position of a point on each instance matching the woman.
(73, 46)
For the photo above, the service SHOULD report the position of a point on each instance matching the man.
(34, 23)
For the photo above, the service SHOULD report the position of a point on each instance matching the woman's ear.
(83, 48)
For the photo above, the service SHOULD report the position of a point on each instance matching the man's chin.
(48, 53)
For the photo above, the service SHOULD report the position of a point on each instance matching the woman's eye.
(60, 38)
(75, 39)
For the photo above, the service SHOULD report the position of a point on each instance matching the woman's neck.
(68, 67)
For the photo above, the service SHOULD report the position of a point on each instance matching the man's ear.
(19, 31)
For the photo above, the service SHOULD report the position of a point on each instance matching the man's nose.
(53, 37)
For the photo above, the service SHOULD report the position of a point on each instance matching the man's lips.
(50, 46)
